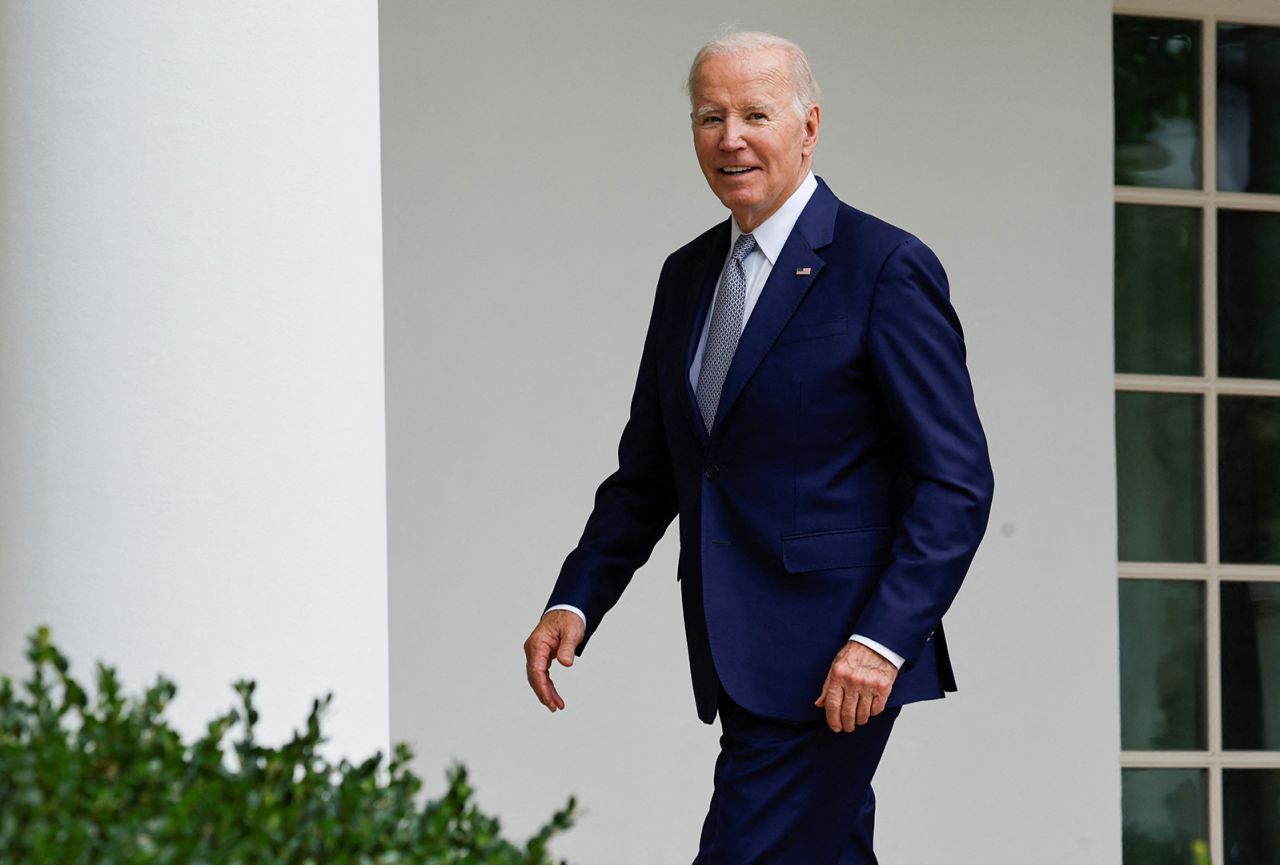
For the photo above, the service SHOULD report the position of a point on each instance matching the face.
(752, 145)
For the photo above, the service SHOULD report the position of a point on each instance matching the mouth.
(737, 170)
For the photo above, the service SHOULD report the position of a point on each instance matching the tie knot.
(742, 246)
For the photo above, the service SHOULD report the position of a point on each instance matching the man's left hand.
(857, 687)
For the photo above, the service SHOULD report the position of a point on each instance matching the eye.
(708, 119)
(757, 115)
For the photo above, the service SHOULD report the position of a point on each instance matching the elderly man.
(803, 405)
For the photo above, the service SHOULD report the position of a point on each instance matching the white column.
(191, 374)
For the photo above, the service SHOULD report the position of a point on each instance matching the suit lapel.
(796, 269)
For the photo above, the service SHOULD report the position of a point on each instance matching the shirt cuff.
(571, 608)
(892, 656)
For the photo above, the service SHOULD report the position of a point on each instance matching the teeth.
(735, 170)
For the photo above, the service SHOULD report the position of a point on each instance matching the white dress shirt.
(771, 235)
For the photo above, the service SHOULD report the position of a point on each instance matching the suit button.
(712, 471)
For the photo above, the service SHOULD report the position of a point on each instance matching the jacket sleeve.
(633, 506)
(917, 360)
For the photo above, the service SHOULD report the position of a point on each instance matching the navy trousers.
(792, 794)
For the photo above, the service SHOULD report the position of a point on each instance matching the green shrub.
(107, 781)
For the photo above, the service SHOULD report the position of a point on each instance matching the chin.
(732, 198)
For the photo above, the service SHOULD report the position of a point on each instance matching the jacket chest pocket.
(828, 371)
(801, 331)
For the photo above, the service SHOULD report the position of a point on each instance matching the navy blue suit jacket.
(845, 484)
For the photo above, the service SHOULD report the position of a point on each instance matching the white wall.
(537, 169)
(192, 437)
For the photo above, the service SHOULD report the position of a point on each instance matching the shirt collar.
(772, 234)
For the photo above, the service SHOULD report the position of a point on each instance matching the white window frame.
(1209, 386)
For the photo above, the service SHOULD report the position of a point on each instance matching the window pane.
(1157, 102)
(1251, 815)
(1248, 294)
(1251, 666)
(1165, 816)
(1248, 111)
(1162, 665)
(1160, 480)
(1158, 289)
(1249, 479)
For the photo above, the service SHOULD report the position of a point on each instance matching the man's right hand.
(558, 635)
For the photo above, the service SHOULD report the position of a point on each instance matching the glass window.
(1157, 102)
(1197, 340)
(1158, 289)
(1165, 816)
(1162, 665)
(1251, 815)
(1248, 109)
(1249, 293)
(1249, 479)
(1251, 665)
(1159, 462)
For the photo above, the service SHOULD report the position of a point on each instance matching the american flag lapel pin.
(803, 271)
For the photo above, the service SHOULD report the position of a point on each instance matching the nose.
(731, 134)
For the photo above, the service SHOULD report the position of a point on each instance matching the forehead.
(747, 76)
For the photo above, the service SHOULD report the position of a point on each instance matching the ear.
(812, 121)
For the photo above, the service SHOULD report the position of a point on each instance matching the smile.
(737, 169)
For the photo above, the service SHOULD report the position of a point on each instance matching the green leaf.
(108, 781)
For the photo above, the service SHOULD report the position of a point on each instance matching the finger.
(536, 670)
(567, 646)
(547, 693)
(822, 697)
(863, 712)
(878, 702)
(553, 700)
(542, 686)
(834, 699)
(557, 702)
(848, 713)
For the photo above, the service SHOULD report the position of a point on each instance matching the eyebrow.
(704, 110)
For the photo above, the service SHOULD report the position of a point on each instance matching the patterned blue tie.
(726, 327)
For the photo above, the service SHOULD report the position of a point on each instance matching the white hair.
(804, 87)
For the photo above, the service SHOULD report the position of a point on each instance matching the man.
(803, 405)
